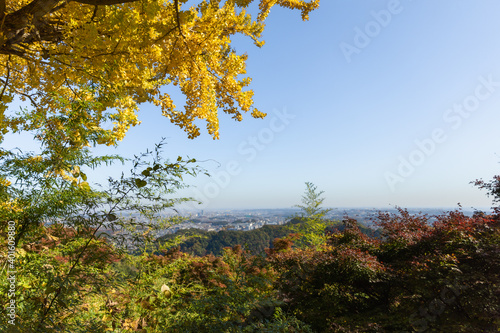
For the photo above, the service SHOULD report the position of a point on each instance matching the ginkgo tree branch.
(2, 9)
(7, 76)
(20, 93)
(125, 56)
(15, 25)
(103, 2)
(35, 10)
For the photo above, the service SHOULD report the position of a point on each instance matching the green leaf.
(62, 303)
(49, 290)
(140, 183)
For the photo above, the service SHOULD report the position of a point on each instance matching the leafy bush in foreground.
(415, 277)
(418, 277)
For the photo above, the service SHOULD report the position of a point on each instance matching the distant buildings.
(253, 219)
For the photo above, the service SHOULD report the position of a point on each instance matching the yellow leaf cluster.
(4, 182)
(85, 69)
(9, 209)
(304, 6)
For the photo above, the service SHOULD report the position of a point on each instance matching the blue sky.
(379, 103)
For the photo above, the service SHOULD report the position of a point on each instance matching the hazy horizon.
(412, 209)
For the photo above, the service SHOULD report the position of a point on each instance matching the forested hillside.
(199, 242)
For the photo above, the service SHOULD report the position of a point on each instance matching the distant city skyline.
(250, 219)
(378, 103)
(335, 211)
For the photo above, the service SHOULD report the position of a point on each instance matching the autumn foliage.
(113, 55)
(418, 276)
(83, 263)
(422, 273)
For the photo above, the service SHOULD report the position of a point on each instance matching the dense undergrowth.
(71, 276)
(417, 277)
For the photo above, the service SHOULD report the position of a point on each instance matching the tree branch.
(36, 9)
(14, 26)
(21, 93)
(103, 2)
(2, 9)
(6, 79)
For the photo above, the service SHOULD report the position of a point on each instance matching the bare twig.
(22, 94)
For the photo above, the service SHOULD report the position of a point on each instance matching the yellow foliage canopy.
(85, 63)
